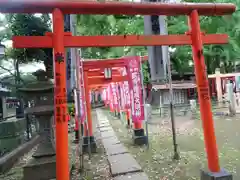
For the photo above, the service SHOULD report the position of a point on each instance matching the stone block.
(122, 164)
(89, 143)
(115, 149)
(12, 127)
(40, 169)
(9, 143)
(139, 138)
(44, 150)
(8, 160)
(110, 141)
(133, 176)
(222, 175)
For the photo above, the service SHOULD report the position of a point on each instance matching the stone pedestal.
(89, 143)
(11, 134)
(44, 156)
(139, 137)
(42, 166)
(45, 147)
(222, 175)
(40, 169)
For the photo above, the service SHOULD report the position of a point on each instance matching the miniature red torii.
(58, 40)
(92, 78)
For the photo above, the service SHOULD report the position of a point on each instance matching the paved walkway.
(122, 165)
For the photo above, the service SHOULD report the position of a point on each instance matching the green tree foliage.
(225, 57)
(23, 25)
(30, 25)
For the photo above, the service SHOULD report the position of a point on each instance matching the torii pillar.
(88, 139)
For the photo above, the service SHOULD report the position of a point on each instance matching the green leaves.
(224, 56)
(29, 25)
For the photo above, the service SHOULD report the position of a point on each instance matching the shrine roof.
(176, 85)
(38, 86)
(106, 7)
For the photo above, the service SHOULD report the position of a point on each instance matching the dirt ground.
(157, 160)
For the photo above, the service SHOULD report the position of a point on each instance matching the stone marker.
(122, 164)
(133, 176)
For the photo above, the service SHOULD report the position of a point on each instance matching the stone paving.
(122, 164)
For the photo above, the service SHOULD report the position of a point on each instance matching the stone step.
(115, 149)
(122, 164)
(132, 176)
(103, 125)
(107, 134)
(40, 169)
(110, 141)
(109, 128)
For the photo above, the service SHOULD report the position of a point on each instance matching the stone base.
(93, 145)
(119, 115)
(139, 137)
(76, 136)
(40, 169)
(128, 124)
(7, 161)
(44, 150)
(222, 175)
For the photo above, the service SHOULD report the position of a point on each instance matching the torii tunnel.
(59, 40)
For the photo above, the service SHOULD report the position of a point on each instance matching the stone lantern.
(40, 95)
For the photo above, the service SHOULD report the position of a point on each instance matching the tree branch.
(13, 74)
(8, 70)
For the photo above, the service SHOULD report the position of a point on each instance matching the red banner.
(110, 98)
(114, 95)
(127, 96)
(135, 85)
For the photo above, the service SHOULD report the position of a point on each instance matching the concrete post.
(219, 86)
(230, 97)
(193, 106)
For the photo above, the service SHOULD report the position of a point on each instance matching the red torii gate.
(58, 40)
(90, 69)
(92, 79)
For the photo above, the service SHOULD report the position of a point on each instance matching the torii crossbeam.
(59, 40)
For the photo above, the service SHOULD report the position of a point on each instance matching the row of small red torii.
(128, 74)
(59, 40)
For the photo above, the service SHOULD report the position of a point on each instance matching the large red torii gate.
(58, 40)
